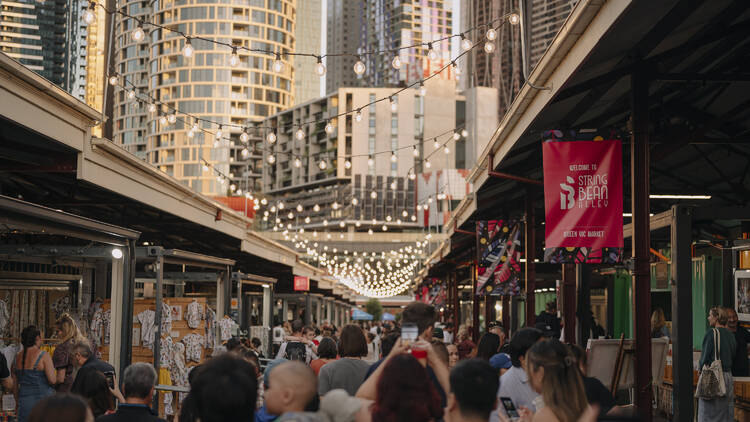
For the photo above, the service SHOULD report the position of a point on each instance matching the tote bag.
(711, 379)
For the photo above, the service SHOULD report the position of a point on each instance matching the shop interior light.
(116, 253)
(680, 196)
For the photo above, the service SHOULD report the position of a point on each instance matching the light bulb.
(278, 65)
(446, 150)
(415, 152)
(393, 157)
(456, 69)
(373, 195)
(464, 133)
(281, 205)
(299, 134)
(393, 185)
(89, 16)
(234, 59)
(335, 205)
(370, 161)
(412, 176)
(316, 208)
(190, 134)
(271, 137)
(394, 105)
(369, 231)
(216, 143)
(297, 162)
(435, 144)
(348, 164)
(385, 228)
(413, 218)
(358, 115)
(396, 62)
(271, 159)
(514, 19)
(431, 53)
(244, 137)
(151, 108)
(131, 94)
(329, 127)
(138, 34)
(489, 47)
(427, 163)
(290, 215)
(245, 152)
(264, 201)
(300, 208)
(219, 132)
(195, 127)
(422, 89)
(188, 50)
(172, 118)
(163, 120)
(355, 201)
(405, 213)
(320, 68)
(113, 80)
(322, 164)
(307, 221)
(359, 67)
(456, 136)
(466, 44)
(491, 34)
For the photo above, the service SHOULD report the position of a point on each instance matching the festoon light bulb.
(188, 50)
(320, 68)
(234, 59)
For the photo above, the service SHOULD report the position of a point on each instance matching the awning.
(360, 315)
(388, 317)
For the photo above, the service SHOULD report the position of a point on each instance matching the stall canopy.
(388, 317)
(360, 315)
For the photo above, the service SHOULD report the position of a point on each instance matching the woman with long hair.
(63, 358)
(659, 324)
(719, 343)
(465, 345)
(349, 371)
(95, 389)
(404, 393)
(34, 372)
(488, 346)
(554, 374)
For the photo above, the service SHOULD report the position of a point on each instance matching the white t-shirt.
(447, 337)
(278, 335)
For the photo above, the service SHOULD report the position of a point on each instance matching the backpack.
(296, 351)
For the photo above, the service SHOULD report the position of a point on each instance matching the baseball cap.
(500, 361)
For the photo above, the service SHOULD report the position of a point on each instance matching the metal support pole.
(530, 267)
(475, 303)
(157, 320)
(126, 301)
(506, 313)
(682, 312)
(639, 173)
(456, 303)
(308, 308)
(227, 291)
(489, 304)
(727, 275)
(584, 303)
(569, 301)
(268, 307)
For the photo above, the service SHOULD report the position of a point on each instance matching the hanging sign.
(583, 200)
(499, 252)
(301, 284)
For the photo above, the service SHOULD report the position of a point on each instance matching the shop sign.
(301, 284)
(583, 194)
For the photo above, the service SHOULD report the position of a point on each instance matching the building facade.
(363, 167)
(344, 24)
(48, 37)
(545, 18)
(308, 40)
(205, 85)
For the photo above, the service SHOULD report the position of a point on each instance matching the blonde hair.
(69, 329)
(721, 314)
(657, 319)
(562, 385)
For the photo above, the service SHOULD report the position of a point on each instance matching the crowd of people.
(405, 371)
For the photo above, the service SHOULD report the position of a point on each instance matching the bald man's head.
(292, 385)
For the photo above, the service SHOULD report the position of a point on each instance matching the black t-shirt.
(740, 362)
(4, 372)
(597, 393)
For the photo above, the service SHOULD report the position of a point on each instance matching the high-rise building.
(545, 18)
(376, 154)
(393, 25)
(47, 37)
(97, 57)
(205, 85)
(308, 40)
(343, 32)
(502, 69)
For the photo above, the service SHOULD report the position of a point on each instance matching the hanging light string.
(113, 79)
(89, 16)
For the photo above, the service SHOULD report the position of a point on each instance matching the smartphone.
(409, 333)
(110, 378)
(510, 408)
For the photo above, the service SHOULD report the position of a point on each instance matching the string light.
(489, 47)
(514, 19)
(373, 195)
(491, 34)
(466, 43)
(300, 134)
(113, 80)
(299, 208)
(348, 164)
(316, 208)
(329, 127)
(320, 68)
(187, 50)
(427, 163)
(163, 120)
(370, 161)
(138, 34)
(278, 65)
(234, 59)
(244, 137)
(89, 15)
(431, 53)
(297, 163)
(172, 118)
(358, 115)
(271, 159)
(396, 62)
(151, 108)
(422, 89)
(131, 95)
(393, 157)
(323, 164)
(435, 143)
(271, 137)
(464, 133)
(359, 67)
(394, 104)
(415, 151)
(219, 133)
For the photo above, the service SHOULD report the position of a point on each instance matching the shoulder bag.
(711, 379)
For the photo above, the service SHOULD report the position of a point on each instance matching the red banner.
(583, 194)
(301, 284)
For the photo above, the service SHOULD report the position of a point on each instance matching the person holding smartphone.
(87, 362)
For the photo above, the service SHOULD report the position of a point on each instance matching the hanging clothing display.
(166, 319)
(179, 370)
(15, 314)
(194, 314)
(42, 298)
(96, 327)
(4, 318)
(146, 318)
(210, 328)
(226, 325)
(24, 321)
(193, 346)
(106, 317)
(33, 320)
(61, 306)
(166, 397)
